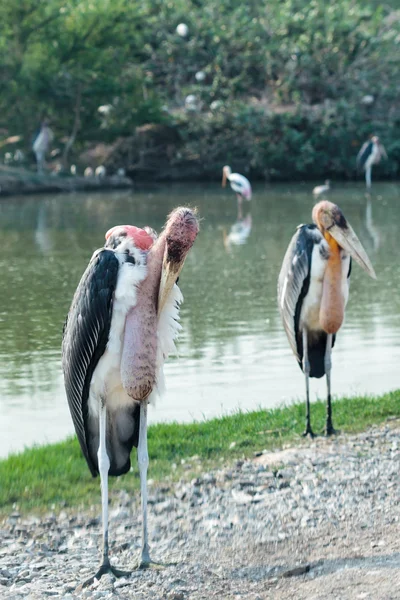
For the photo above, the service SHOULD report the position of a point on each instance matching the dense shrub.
(281, 92)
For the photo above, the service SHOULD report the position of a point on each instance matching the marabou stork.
(313, 289)
(120, 328)
(239, 183)
(321, 189)
(370, 154)
(41, 144)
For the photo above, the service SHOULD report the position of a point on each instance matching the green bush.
(283, 87)
(310, 143)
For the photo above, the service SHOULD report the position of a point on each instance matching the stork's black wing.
(362, 156)
(294, 280)
(85, 337)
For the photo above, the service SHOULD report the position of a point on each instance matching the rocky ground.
(318, 521)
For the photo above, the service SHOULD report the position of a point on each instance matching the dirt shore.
(15, 181)
(318, 521)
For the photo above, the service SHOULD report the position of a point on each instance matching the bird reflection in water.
(373, 231)
(239, 232)
(42, 235)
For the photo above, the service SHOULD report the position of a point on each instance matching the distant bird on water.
(120, 328)
(370, 154)
(239, 184)
(319, 190)
(41, 144)
(313, 290)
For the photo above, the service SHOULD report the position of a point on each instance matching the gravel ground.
(320, 520)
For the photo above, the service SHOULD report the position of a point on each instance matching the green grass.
(56, 475)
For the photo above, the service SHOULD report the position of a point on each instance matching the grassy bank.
(56, 475)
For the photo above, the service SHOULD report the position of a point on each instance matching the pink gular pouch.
(139, 348)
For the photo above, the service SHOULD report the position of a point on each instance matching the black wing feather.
(294, 281)
(85, 337)
(364, 154)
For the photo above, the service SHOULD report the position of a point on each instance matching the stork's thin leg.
(306, 369)
(329, 430)
(143, 460)
(104, 466)
(39, 161)
(368, 176)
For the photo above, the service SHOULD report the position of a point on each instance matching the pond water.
(233, 352)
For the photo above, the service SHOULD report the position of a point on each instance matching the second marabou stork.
(370, 154)
(120, 328)
(313, 289)
(239, 184)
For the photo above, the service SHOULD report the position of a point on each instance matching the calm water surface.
(233, 352)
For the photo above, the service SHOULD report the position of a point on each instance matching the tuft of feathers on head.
(181, 229)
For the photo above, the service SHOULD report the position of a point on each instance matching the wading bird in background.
(321, 189)
(370, 154)
(41, 144)
(313, 290)
(120, 328)
(240, 184)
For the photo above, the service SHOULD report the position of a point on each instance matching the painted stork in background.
(370, 154)
(120, 328)
(321, 189)
(240, 184)
(313, 289)
(41, 144)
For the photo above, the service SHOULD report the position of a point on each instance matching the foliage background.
(282, 95)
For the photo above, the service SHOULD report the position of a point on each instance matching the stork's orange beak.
(348, 240)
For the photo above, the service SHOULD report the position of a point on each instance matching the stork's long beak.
(223, 178)
(348, 240)
(169, 274)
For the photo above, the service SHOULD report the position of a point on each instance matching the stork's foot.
(105, 568)
(308, 432)
(330, 430)
(147, 563)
